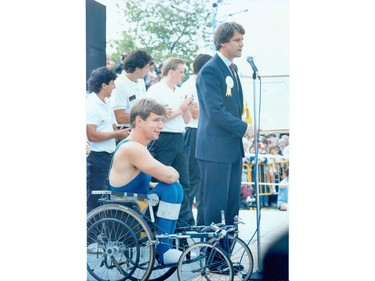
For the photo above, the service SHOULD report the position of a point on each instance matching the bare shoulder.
(131, 147)
(133, 151)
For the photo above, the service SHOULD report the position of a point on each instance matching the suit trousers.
(194, 173)
(169, 150)
(221, 183)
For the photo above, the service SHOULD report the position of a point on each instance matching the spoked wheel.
(112, 251)
(241, 257)
(120, 245)
(161, 272)
(205, 261)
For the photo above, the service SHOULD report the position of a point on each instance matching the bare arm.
(141, 158)
(121, 116)
(93, 135)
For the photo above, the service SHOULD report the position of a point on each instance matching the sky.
(266, 23)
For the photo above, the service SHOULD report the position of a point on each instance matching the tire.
(204, 261)
(160, 273)
(241, 257)
(130, 233)
(109, 256)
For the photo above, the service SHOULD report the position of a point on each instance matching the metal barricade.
(269, 175)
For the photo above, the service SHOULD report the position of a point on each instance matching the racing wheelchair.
(121, 241)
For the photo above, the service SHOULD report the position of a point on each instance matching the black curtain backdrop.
(95, 36)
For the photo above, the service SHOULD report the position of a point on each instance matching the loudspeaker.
(95, 36)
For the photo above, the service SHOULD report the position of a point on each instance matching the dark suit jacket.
(220, 128)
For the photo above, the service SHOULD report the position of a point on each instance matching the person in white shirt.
(101, 132)
(169, 147)
(191, 136)
(130, 85)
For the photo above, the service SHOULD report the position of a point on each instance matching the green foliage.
(164, 31)
(125, 44)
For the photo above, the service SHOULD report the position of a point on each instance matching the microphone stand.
(257, 275)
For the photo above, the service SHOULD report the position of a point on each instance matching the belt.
(101, 152)
(171, 133)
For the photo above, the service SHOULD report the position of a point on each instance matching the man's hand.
(123, 133)
(168, 111)
(250, 131)
(186, 105)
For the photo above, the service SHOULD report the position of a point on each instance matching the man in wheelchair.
(133, 167)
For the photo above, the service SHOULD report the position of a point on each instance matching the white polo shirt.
(100, 114)
(174, 98)
(126, 93)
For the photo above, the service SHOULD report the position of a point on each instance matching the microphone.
(250, 60)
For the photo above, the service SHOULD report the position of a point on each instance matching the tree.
(126, 43)
(165, 31)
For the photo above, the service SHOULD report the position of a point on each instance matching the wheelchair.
(122, 239)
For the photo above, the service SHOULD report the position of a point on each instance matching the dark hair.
(143, 108)
(98, 77)
(199, 61)
(225, 32)
(134, 59)
(265, 141)
(271, 136)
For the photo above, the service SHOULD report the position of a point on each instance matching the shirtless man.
(133, 166)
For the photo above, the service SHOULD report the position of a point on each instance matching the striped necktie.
(234, 76)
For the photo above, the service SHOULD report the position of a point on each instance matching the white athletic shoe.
(171, 256)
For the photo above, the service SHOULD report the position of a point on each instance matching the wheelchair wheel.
(204, 261)
(241, 257)
(109, 256)
(161, 272)
(120, 244)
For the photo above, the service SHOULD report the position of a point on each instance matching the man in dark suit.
(221, 129)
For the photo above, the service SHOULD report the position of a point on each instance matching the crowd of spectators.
(273, 165)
